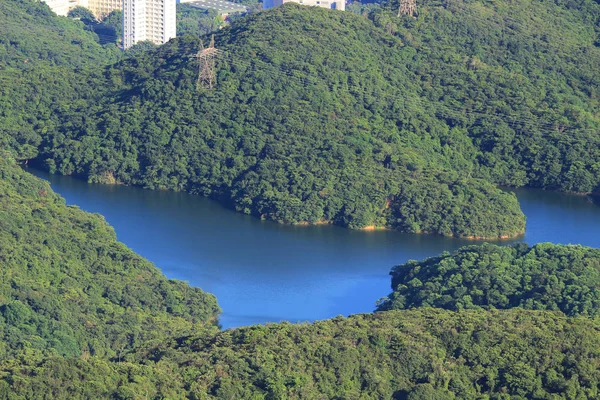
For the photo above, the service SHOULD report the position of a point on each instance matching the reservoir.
(262, 272)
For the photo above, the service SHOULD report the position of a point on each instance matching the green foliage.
(194, 21)
(68, 287)
(363, 9)
(42, 64)
(542, 277)
(454, 207)
(83, 14)
(520, 77)
(143, 47)
(32, 36)
(289, 134)
(114, 21)
(417, 354)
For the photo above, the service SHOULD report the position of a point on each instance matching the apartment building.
(100, 8)
(152, 20)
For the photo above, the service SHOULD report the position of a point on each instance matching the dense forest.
(68, 287)
(542, 277)
(520, 77)
(81, 316)
(195, 21)
(45, 62)
(316, 116)
(413, 355)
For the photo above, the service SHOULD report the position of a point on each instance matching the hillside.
(327, 117)
(520, 78)
(44, 61)
(414, 355)
(81, 316)
(542, 277)
(67, 286)
(310, 122)
(320, 116)
(32, 34)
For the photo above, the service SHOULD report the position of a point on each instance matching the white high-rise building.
(152, 20)
(60, 7)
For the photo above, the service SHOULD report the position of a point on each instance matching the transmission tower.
(206, 63)
(407, 7)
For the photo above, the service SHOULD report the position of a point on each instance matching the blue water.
(264, 272)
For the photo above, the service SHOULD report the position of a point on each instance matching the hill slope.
(417, 354)
(320, 116)
(310, 122)
(521, 78)
(44, 61)
(68, 287)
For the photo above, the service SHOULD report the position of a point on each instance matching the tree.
(83, 14)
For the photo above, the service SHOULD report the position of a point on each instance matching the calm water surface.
(265, 272)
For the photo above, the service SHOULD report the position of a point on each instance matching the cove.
(262, 272)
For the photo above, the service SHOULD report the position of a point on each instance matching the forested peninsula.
(318, 116)
(542, 277)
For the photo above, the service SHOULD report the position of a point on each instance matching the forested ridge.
(416, 354)
(303, 126)
(321, 116)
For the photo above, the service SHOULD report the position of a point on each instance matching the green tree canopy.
(542, 277)
(83, 14)
(416, 354)
(68, 287)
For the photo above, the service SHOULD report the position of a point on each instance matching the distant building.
(60, 7)
(222, 7)
(334, 4)
(152, 20)
(100, 8)
(80, 3)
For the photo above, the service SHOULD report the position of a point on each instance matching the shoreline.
(368, 228)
